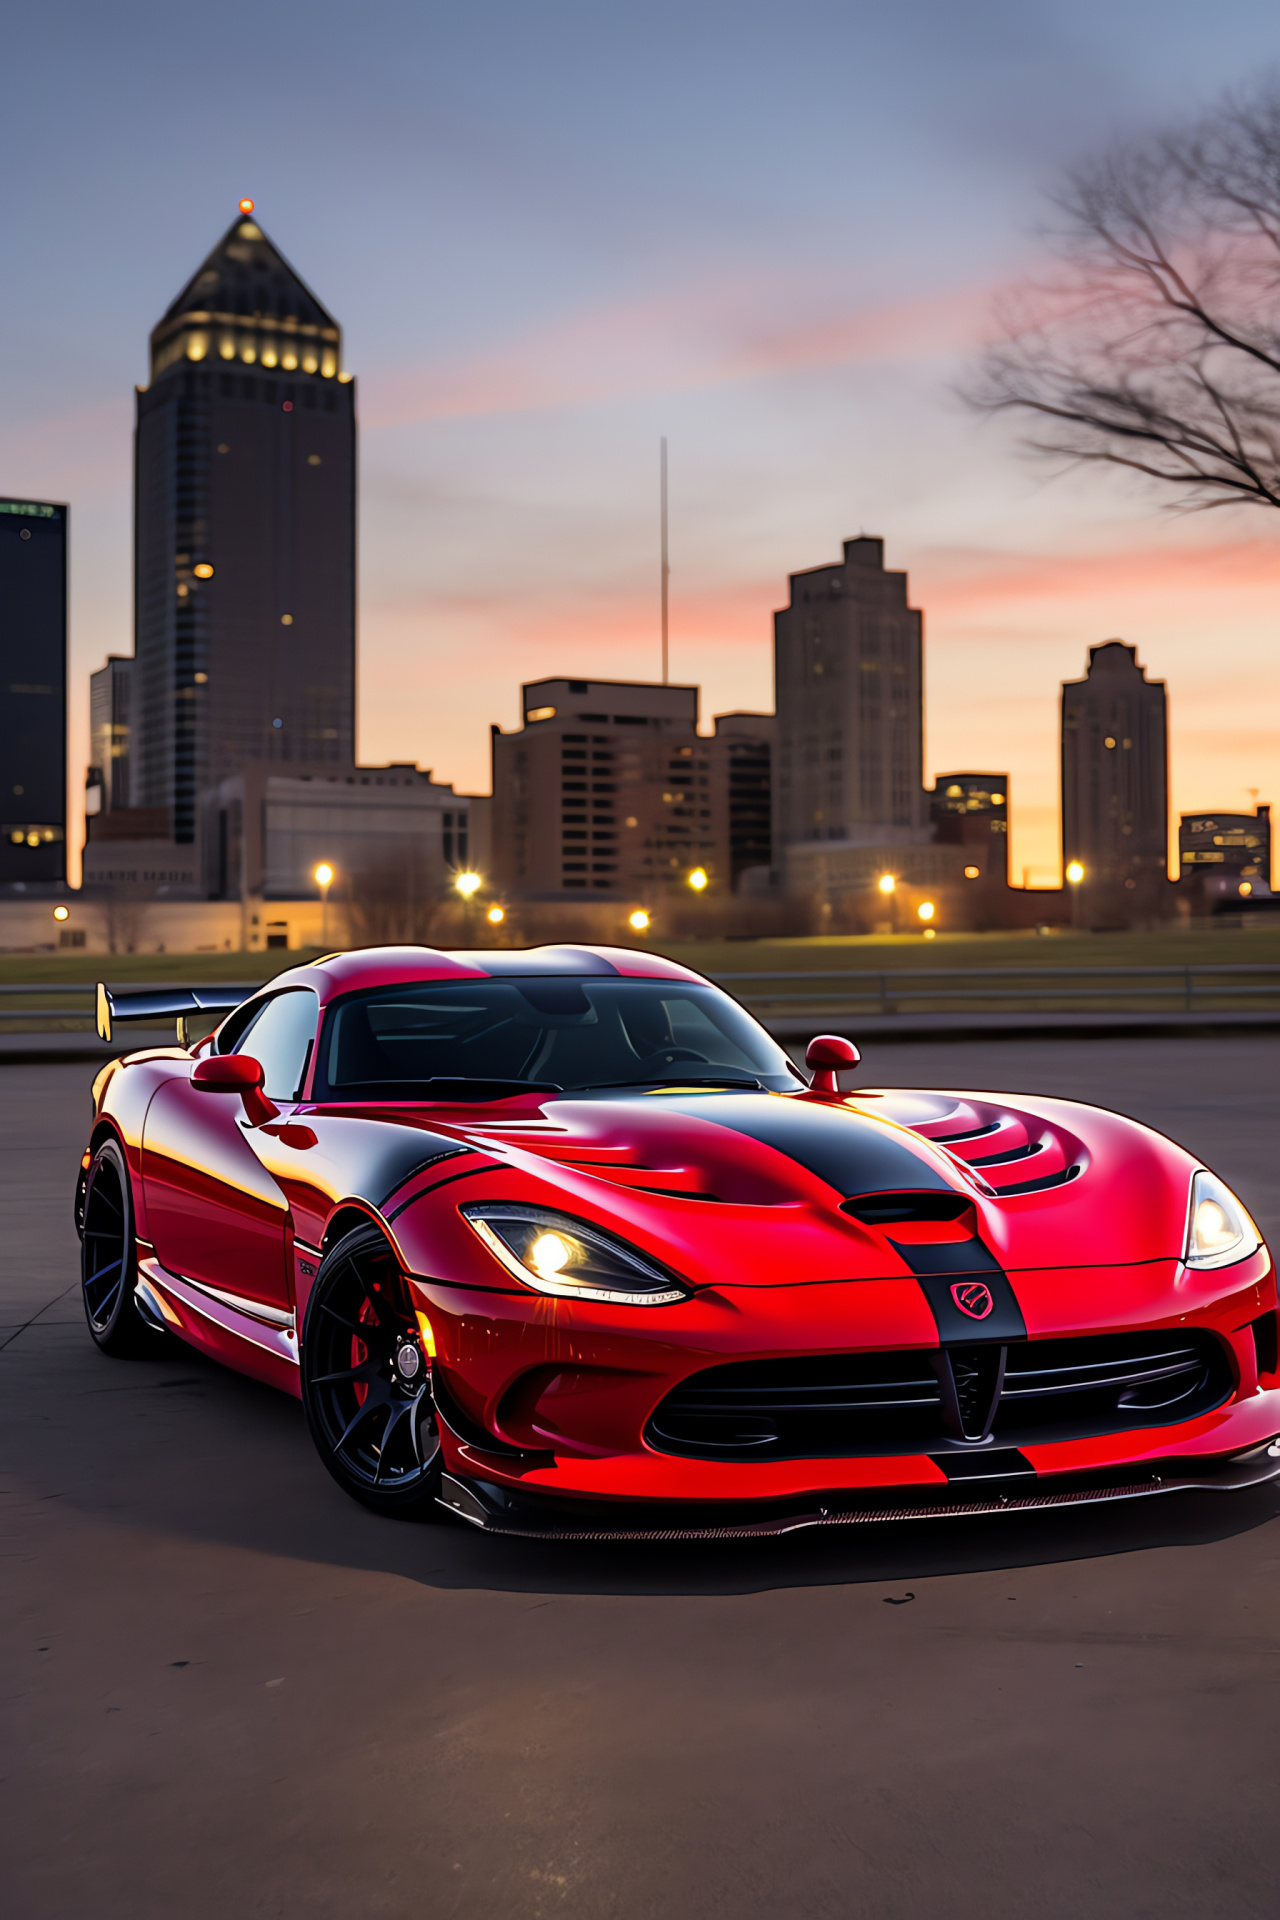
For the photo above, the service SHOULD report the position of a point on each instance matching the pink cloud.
(699, 338)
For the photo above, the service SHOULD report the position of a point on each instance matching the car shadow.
(182, 1447)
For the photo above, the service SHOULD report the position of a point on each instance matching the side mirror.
(826, 1054)
(235, 1073)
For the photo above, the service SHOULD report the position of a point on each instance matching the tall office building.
(244, 533)
(848, 662)
(1115, 788)
(605, 791)
(110, 703)
(33, 692)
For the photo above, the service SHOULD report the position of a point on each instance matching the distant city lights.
(887, 883)
(638, 921)
(1075, 873)
(698, 880)
(495, 916)
(926, 910)
(468, 884)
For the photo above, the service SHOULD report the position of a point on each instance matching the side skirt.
(271, 1329)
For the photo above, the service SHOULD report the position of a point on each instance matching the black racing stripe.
(985, 1463)
(965, 1267)
(850, 1152)
(446, 1152)
(435, 1186)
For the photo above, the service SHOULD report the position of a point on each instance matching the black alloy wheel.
(109, 1260)
(366, 1380)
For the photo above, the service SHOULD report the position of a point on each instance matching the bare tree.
(1156, 348)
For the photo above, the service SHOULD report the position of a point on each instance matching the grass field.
(835, 953)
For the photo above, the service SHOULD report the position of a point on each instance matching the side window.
(281, 1038)
(232, 1028)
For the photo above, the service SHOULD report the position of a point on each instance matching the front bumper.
(534, 1515)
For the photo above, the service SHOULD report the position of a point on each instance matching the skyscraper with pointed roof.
(244, 470)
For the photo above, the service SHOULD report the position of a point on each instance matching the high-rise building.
(848, 664)
(244, 533)
(33, 692)
(741, 757)
(604, 791)
(1115, 788)
(110, 699)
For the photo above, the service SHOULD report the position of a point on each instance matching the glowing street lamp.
(62, 913)
(887, 883)
(468, 884)
(495, 916)
(638, 921)
(1075, 873)
(698, 880)
(926, 910)
(323, 877)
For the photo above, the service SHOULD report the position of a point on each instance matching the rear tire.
(366, 1380)
(109, 1260)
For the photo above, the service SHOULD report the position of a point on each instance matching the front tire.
(109, 1259)
(366, 1381)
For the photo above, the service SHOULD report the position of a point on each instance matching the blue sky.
(554, 233)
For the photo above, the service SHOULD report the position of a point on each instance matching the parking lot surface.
(230, 1691)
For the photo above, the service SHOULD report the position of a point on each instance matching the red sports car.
(561, 1241)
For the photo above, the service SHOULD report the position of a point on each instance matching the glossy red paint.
(236, 1073)
(828, 1054)
(1078, 1214)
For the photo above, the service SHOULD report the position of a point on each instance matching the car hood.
(689, 1172)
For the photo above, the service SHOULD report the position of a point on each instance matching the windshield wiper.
(674, 1080)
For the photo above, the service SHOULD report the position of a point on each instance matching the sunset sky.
(553, 233)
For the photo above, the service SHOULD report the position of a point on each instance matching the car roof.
(367, 967)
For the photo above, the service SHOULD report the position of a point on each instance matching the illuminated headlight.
(1219, 1231)
(555, 1254)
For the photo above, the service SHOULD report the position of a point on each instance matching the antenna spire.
(666, 570)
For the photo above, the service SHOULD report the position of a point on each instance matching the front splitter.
(493, 1509)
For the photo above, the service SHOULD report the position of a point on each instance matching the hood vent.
(895, 1209)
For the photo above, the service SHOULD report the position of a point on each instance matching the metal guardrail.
(821, 994)
(1048, 989)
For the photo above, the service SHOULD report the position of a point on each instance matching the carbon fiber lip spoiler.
(486, 1506)
(153, 1005)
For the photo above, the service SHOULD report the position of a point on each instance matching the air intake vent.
(846, 1404)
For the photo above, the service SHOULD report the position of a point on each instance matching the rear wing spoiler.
(154, 1005)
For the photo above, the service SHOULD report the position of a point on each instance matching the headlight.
(1219, 1231)
(555, 1254)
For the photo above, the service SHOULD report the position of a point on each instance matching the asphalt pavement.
(230, 1691)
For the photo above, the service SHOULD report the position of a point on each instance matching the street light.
(324, 880)
(638, 921)
(926, 910)
(495, 916)
(468, 884)
(1075, 873)
(887, 883)
(62, 913)
(698, 880)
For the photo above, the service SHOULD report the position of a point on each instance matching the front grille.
(915, 1401)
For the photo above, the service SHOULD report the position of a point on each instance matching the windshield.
(392, 1043)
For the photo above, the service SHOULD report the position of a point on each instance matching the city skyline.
(793, 319)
